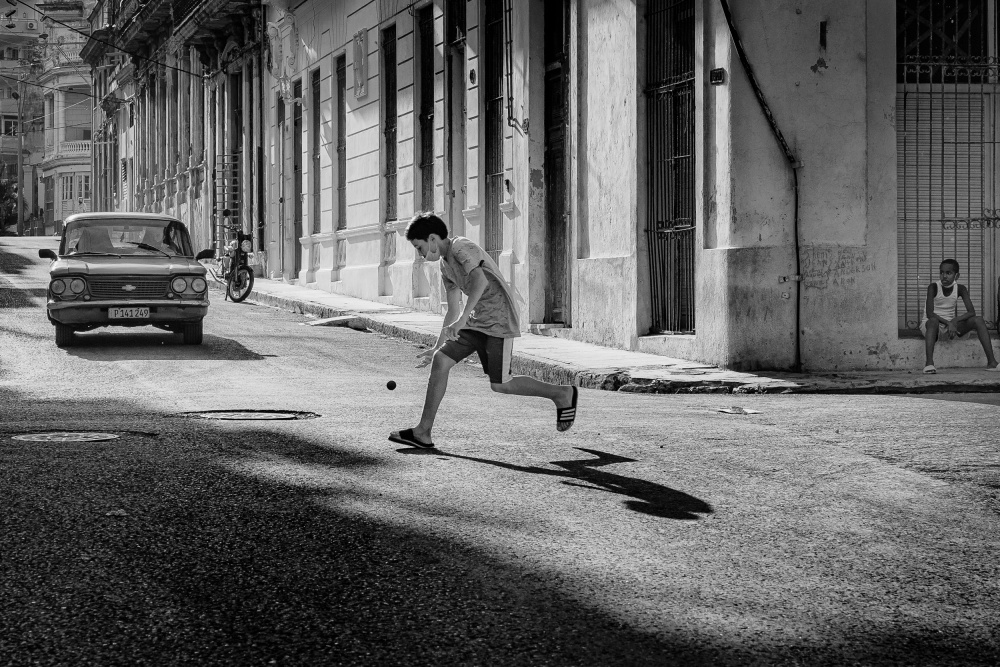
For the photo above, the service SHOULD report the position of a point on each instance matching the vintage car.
(126, 270)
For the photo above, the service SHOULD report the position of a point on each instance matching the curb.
(628, 381)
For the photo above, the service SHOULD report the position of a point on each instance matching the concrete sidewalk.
(596, 367)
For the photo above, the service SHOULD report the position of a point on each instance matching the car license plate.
(128, 313)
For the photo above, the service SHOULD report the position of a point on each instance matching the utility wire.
(106, 43)
(38, 85)
(68, 106)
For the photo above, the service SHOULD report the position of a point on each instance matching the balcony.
(67, 149)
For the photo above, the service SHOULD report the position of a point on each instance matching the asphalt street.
(837, 530)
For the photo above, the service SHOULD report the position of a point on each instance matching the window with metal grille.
(389, 121)
(314, 83)
(341, 142)
(947, 150)
(425, 97)
(297, 130)
(670, 72)
(493, 97)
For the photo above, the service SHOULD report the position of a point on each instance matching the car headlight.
(199, 285)
(247, 245)
(57, 286)
(178, 285)
(77, 285)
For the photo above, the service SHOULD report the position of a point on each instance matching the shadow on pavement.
(148, 550)
(650, 498)
(992, 398)
(155, 345)
(18, 297)
(151, 550)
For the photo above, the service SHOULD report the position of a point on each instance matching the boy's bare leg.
(979, 324)
(522, 385)
(930, 339)
(437, 384)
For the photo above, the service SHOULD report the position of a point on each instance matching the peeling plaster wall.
(827, 70)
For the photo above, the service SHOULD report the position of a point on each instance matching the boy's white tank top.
(946, 306)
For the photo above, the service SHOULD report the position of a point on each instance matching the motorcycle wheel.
(240, 284)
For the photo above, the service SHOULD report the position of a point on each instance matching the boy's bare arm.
(454, 308)
(970, 310)
(479, 283)
(929, 307)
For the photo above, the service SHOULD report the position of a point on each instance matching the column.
(141, 133)
(183, 117)
(197, 111)
(161, 122)
(247, 158)
(173, 129)
(60, 102)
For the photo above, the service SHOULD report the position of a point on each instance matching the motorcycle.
(235, 272)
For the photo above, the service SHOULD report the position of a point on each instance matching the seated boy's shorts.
(942, 330)
(494, 353)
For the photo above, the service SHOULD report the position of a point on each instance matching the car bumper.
(96, 312)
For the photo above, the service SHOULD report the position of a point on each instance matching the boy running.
(487, 325)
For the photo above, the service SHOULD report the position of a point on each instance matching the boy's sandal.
(566, 416)
(406, 437)
(930, 369)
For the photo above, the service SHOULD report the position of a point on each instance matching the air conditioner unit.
(31, 26)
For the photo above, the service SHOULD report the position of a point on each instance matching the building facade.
(758, 185)
(179, 91)
(21, 146)
(64, 81)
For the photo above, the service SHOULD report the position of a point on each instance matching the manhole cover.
(65, 436)
(252, 414)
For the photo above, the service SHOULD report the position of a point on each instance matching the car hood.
(126, 266)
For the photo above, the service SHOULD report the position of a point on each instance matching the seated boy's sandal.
(930, 369)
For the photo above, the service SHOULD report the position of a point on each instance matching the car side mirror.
(208, 253)
(47, 253)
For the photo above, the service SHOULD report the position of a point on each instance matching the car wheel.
(64, 335)
(193, 333)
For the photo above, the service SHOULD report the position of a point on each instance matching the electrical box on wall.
(717, 76)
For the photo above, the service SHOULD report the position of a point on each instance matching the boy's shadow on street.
(652, 499)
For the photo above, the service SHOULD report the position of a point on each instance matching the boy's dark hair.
(422, 225)
(953, 263)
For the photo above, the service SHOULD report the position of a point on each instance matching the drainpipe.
(792, 162)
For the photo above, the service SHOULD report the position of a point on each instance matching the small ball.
(390, 385)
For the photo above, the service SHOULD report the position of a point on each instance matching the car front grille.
(117, 288)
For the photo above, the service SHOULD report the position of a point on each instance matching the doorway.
(455, 186)
(296, 179)
(493, 85)
(670, 79)
(948, 151)
(557, 237)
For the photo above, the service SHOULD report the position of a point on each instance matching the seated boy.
(487, 325)
(942, 318)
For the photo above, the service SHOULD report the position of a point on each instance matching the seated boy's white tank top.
(946, 306)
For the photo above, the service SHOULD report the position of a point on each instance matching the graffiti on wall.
(825, 266)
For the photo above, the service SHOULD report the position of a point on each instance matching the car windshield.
(123, 236)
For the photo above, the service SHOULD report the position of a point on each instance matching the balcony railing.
(67, 149)
(74, 147)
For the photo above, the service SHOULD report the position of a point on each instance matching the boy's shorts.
(942, 330)
(494, 353)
